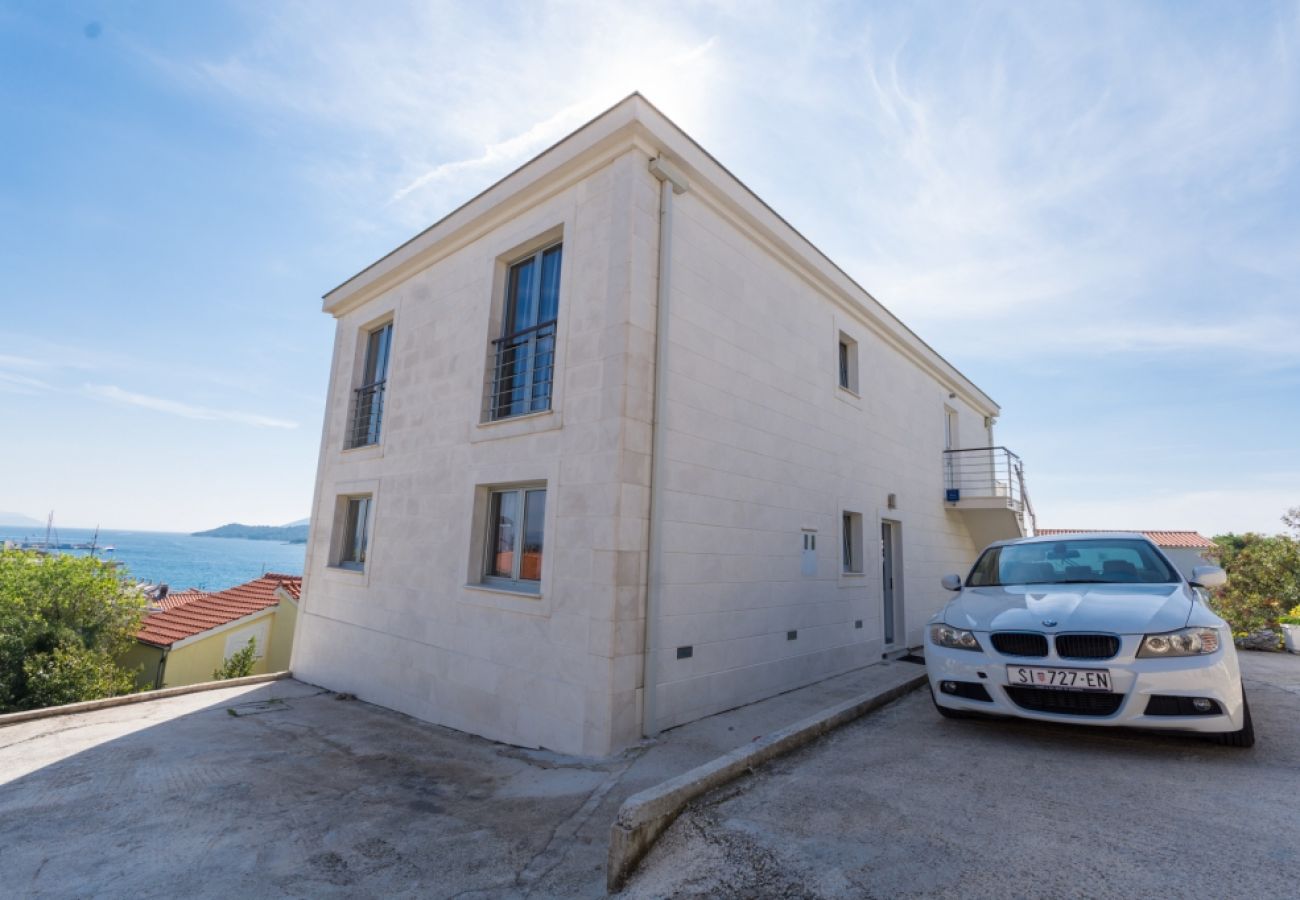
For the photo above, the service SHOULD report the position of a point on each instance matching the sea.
(178, 560)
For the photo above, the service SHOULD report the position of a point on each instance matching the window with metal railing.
(522, 362)
(368, 399)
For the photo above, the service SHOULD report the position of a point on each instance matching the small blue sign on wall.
(954, 494)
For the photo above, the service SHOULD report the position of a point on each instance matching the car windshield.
(1081, 561)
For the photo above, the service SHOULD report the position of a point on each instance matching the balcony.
(987, 486)
(367, 415)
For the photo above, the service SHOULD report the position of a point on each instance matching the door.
(890, 591)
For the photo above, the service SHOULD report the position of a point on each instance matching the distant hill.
(296, 523)
(293, 534)
(13, 518)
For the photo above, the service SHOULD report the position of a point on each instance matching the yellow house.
(185, 643)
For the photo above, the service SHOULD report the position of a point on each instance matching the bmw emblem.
(1049, 623)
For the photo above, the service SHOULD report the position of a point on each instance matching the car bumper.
(1215, 676)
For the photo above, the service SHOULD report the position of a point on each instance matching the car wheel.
(945, 711)
(1243, 738)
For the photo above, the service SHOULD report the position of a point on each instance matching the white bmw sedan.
(1098, 629)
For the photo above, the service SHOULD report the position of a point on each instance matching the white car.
(1098, 629)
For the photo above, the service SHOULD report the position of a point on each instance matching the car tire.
(945, 711)
(1243, 738)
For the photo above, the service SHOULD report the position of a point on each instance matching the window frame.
(537, 332)
(847, 364)
(487, 578)
(373, 384)
(346, 548)
(852, 546)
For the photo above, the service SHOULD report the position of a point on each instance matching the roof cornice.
(635, 123)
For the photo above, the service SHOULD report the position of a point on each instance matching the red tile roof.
(1179, 539)
(218, 608)
(177, 598)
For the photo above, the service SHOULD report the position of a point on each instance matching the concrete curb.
(51, 712)
(644, 816)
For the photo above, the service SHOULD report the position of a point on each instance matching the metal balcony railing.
(367, 415)
(522, 368)
(984, 473)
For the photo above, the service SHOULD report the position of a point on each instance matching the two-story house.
(612, 447)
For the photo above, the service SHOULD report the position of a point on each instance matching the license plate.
(1062, 679)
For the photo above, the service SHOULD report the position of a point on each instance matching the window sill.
(350, 570)
(514, 426)
(849, 396)
(365, 451)
(491, 596)
(508, 591)
(852, 579)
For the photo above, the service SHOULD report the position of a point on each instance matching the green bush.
(1263, 579)
(63, 622)
(239, 664)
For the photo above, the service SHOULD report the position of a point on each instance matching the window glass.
(522, 311)
(355, 531)
(504, 516)
(530, 565)
(1079, 561)
(848, 543)
(844, 364)
(377, 354)
(550, 302)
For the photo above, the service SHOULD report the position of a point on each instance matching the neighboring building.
(1185, 549)
(187, 641)
(532, 469)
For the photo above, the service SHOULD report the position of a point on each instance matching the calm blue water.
(182, 561)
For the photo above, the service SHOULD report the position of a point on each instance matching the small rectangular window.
(851, 528)
(523, 358)
(515, 538)
(368, 398)
(356, 533)
(848, 363)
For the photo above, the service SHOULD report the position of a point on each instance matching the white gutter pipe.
(671, 181)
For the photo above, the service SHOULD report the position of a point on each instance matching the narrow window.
(848, 363)
(515, 539)
(356, 530)
(851, 535)
(848, 542)
(368, 399)
(524, 356)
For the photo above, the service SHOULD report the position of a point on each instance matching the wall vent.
(791, 635)
(685, 652)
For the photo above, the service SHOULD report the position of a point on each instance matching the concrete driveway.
(283, 790)
(905, 803)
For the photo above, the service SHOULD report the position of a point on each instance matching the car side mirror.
(952, 582)
(1209, 577)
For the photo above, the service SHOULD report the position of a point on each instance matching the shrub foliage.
(1263, 576)
(63, 621)
(239, 664)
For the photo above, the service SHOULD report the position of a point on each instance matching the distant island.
(291, 534)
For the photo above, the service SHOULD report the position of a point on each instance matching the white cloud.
(184, 410)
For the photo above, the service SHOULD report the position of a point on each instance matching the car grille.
(1086, 646)
(1020, 643)
(1072, 703)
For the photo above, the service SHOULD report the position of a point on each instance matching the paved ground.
(284, 790)
(905, 803)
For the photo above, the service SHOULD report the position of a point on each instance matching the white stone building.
(616, 402)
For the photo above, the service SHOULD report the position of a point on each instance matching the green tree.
(63, 622)
(239, 664)
(1263, 579)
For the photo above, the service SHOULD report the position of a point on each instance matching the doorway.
(891, 587)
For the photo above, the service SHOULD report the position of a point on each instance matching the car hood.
(1113, 608)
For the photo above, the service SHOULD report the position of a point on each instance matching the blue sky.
(1093, 210)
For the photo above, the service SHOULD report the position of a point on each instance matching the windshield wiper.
(1082, 581)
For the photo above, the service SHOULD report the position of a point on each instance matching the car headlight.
(956, 638)
(1188, 642)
